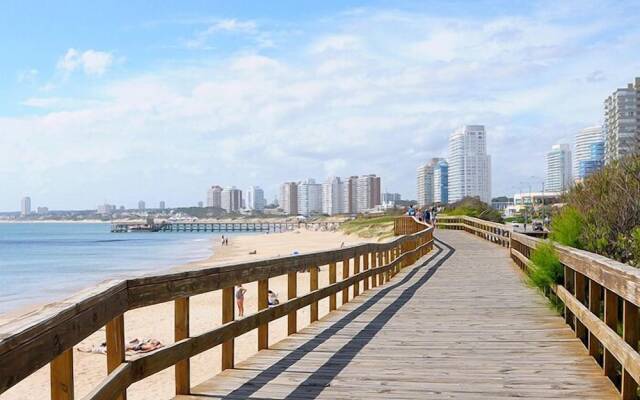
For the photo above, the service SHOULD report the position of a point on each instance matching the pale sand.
(157, 321)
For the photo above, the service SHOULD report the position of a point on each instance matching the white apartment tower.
(558, 168)
(469, 164)
(25, 206)
(333, 196)
(426, 183)
(214, 198)
(583, 141)
(309, 197)
(367, 192)
(622, 122)
(231, 199)
(289, 198)
(255, 198)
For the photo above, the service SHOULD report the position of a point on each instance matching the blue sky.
(103, 102)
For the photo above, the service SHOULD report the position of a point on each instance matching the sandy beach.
(157, 321)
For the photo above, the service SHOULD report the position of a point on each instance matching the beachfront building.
(255, 198)
(469, 169)
(350, 195)
(231, 199)
(162, 205)
(367, 192)
(558, 168)
(25, 206)
(391, 198)
(583, 151)
(142, 205)
(214, 197)
(106, 209)
(309, 197)
(622, 122)
(425, 187)
(595, 161)
(333, 196)
(289, 198)
(441, 182)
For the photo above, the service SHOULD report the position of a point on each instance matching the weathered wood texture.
(428, 335)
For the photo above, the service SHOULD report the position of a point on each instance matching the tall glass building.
(582, 151)
(441, 183)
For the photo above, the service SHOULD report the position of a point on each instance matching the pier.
(430, 314)
(124, 227)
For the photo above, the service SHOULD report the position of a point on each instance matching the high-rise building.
(367, 192)
(214, 198)
(350, 195)
(441, 182)
(558, 168)
(289, 198)
(582, 150)
(162, 205)
(141, 205)
(426, 183)
(595, 161)
(391, 198)
(25, 206)
(469, 164)
(309, 197)
(333, 196)
(42, 210)
(622, 122)
(106, 209)
(231, 199)
(255, 198)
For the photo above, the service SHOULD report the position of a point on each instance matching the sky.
(115, 102)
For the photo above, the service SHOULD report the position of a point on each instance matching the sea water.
(43, 262)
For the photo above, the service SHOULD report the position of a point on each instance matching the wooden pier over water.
(419, 317)
(123, 227)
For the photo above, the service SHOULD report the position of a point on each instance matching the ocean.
(43, 262)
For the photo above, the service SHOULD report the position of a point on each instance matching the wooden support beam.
(62, 376)
(356, 270)
(365, 266)
(380, 264)
(115, 347)
(595, 299)
(181, 331)
(611, 319)
(345, 275)
(313, 285)
(263, 302)
(374, 265)
(292, 293)
(228, 315)
(580, 294)
(332, 280)
(631, 335)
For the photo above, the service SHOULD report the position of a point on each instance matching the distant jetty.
(125, 227)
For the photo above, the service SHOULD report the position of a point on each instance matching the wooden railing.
(492, 231)
(600, 297)
(28, 344)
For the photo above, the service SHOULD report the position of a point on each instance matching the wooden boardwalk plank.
(462, 325)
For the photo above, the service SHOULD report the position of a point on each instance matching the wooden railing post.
(374, 265)
(332, 280)
(313, 285)
(115, 347)
(385, 278)
(611, 319)
(181, 331)
(356, 270)
(380, 264)
(292, 293)
(595, 298)
(631, 335)
(365, 266)
(345, 275)
(579, 287)
(228, 312)
(263, 302)
(62, 376)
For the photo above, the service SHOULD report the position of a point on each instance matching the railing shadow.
(320, 379)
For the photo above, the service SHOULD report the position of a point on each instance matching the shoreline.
(205, 314)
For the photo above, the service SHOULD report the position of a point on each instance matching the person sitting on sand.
(272, 298)
(240, 291)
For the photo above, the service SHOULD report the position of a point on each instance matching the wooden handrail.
(36, 339)
(591, 283)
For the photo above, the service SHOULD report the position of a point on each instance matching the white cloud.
(92, 62)
(201, 39)
(28, 76)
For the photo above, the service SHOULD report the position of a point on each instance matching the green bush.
(474, 207)
(567, 226)
(546, 268)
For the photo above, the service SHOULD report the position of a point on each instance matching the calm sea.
(46, 262)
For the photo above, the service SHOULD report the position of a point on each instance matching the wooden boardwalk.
(458, 324)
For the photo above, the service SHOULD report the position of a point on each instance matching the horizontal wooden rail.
(592, 283)
(36, 339)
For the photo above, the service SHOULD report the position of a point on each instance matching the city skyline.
(243, 94)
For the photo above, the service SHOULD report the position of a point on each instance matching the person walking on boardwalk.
(412, 211)
(240, 291)
(426, 216)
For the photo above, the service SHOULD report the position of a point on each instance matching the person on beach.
(272, 298)
(240, 291)
(223, 240)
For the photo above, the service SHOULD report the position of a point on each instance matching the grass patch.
(369, 228)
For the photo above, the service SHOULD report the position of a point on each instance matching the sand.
(157, 321)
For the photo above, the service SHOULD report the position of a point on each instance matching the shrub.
(546, 268)
(474, 207)
(567, 227)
